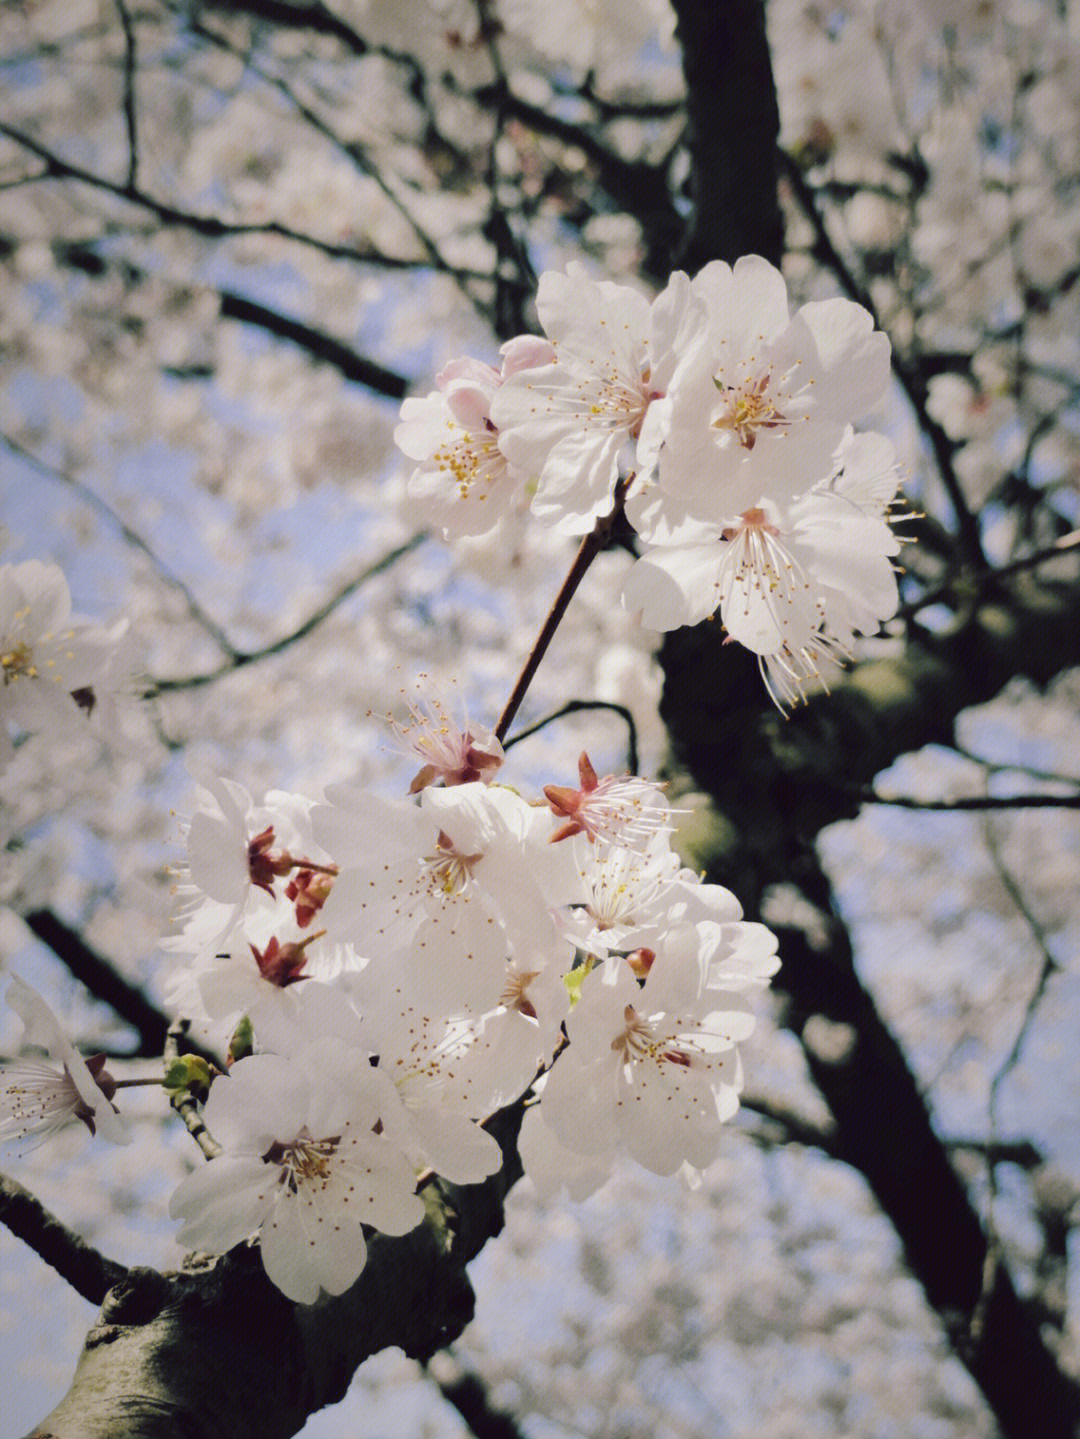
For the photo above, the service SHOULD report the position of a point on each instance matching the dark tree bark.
(217, 1350)
(778, 783)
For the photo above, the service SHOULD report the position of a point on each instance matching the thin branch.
(1048, 966)
(209, 226)
(130, 64)
(186, 1105)
(360, 160)
(976, 802)
(577, 707)
(242, 658)
(466, 1392)
(102, 980)
(794, 1128)
(87, 1271)
(1015, 767)
(984, 578)
(317, 343)
(233, 306)
(1020, 1152)
(588, 550)
(133, 538)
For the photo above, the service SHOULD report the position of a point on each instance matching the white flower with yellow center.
(463, 481)
(792, 581)
(55, 669)
(651, 1070)
(305, 1165)
(567, 424)
(761, 398)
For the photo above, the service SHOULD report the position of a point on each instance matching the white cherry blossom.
(792, 580)
(567, 424)
(463, 480)
(304, 1166)
(651, 1069)
(447, 879)
(36, 1098)
(55, 669)
(761, 398)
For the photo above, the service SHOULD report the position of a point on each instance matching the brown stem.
(588, 550)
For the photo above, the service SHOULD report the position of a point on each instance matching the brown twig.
(588, 550)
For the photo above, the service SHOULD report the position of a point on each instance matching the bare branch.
(975, 802)
(981, 581)
(130, 64)
(233, 306)
(943, 448)
(87, 1271)
(133, 538)
(578, 707)
(102, 980)
(241, 659)
(466, 1392)
(210, 226)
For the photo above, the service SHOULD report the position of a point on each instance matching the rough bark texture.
(217, 1350)
(776, 783)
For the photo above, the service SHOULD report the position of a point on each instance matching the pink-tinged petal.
(475, 372)
(526, 352)
(469, 403)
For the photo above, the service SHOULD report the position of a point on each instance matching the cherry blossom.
(651, 1069)
(761, 398)
(36, 1099)
(793, 581)
(623, 809)
(451, 752)
(305, 1166)
(449, 880)
(463, 480)
(567, 423)
(55, 669)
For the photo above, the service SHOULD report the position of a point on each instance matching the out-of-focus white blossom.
(36, 1099)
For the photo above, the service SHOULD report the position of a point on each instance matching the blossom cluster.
(386, 973)
(730, 420)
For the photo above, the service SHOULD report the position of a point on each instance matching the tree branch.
(133, 538)
(242, 658)
(88, 1272)
(579, 707)
(102, 980)
(216, 1349)
(130, 66)
(913, 386)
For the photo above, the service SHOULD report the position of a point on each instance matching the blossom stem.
(136, 1083)
(185, 1104)
(589, 548)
